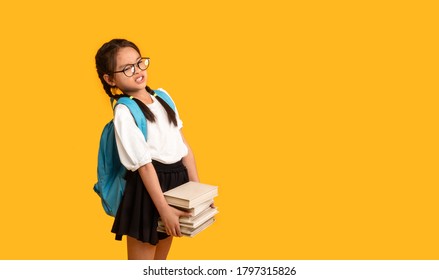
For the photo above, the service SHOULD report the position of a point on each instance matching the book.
(191, 232)
(195, 198)
(196, 221)
(190, 194)
(188, 231)
(194, 211)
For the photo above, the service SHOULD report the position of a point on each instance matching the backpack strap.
(137, 113)
(163, 95)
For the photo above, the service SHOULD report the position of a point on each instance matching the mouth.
(140, 79)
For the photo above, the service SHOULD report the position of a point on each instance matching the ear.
(109, 80)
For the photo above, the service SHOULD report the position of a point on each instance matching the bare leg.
(137, 250)
(162, 249)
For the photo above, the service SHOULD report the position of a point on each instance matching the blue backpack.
(111, 173)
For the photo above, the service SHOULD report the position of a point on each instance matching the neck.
(141, 95)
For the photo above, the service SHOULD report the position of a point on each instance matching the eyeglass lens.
(142, 64)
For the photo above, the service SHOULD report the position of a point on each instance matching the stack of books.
(196, 199)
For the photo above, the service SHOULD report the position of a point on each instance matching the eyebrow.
(137, 60)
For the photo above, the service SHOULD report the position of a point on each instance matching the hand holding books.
(170, 221)
(196, 200)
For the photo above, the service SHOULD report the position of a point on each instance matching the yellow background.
(317, 120)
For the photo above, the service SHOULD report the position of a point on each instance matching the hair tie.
(116, 91)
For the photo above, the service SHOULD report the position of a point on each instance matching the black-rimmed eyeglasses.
(130, 69)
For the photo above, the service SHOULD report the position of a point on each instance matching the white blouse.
(164, 143)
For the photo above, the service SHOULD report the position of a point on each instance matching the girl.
(160, 164)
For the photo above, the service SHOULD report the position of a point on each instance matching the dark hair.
(106, 64)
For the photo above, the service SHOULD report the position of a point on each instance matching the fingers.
(174, 231)
(185, 214)
(172, 224)
(178, 233)
(181, 213)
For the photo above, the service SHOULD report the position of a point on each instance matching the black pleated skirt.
(137, 215)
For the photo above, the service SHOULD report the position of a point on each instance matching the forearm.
(149, 177)
(169, 215)
(189, 163)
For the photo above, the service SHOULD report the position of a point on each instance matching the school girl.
(154, 166)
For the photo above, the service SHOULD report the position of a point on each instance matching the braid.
(146, 111)
(107, 89)
(172, 118)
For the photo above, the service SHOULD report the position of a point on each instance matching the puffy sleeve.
(177, 115)
(133, 149)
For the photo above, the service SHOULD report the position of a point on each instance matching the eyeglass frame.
(132, 66)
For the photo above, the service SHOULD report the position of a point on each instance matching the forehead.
(126, 55)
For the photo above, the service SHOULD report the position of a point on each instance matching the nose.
(136, 68)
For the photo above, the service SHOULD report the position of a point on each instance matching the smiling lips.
(140, 79)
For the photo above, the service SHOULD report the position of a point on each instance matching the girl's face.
(126, 58)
